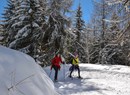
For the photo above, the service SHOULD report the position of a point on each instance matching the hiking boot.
(55, 80)
(70, 76)
(80, 77)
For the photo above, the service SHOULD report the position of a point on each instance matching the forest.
(40, 28)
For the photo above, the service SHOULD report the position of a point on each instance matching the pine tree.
(35, 25)
(80, 32)
(1, 35)
(114, 27)
(79, 23)
(8, 21)
(24, 33)
(110, 51)
(54, 37)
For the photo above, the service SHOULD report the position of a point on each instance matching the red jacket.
(56, 61)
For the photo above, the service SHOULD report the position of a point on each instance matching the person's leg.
(79, 71)
(56, 73)
(77, 67)
(71, 71)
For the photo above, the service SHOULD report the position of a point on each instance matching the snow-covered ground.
(20, 75)
(97, 80)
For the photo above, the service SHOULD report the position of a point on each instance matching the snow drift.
(20, 75)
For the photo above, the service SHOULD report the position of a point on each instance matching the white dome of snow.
(20, 75)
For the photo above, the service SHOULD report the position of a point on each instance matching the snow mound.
(20, 75)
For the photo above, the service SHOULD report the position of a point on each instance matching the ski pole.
(64, 71)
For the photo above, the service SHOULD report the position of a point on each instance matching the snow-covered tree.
(54, 35)
(106, 26)
(80, 33)
(36, 27)
(113, 28)
(113, 54)
(27, 26)
(119, 23)
(126, 3)
(97, 29)
(23, 22)
(80, 24)
(8, 16)
(1, 34)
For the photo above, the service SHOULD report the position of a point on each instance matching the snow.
(21, 31)
(22, 18)
(1, 37)
(35, 24)
(20, 75)
(124, 2)
(30, 11)
(111, 2)
(12, 44)
(97, 80)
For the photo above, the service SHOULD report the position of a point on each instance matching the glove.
(63, 63)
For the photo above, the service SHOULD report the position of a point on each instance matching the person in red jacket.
(56, 61)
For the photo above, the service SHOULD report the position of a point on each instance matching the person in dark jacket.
(56, 61)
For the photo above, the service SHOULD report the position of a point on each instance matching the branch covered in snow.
(126, 3)
(116, 21)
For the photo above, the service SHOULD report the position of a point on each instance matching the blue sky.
(87, 8)
(3, 3)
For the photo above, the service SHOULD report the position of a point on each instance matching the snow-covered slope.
(20, 75)
(97, 80)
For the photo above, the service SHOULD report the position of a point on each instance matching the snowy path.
(97, 80)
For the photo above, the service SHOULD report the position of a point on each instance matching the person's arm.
(52, 63)
(60, 60)
(51, 67)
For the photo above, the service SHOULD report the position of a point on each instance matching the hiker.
(56, 61)
(75, 66)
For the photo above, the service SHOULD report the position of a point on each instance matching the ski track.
(102, 80)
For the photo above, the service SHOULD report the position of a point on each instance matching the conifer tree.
(80, 32)
(24, 25)
(8, 21)
(54, 37)
(114, 27)
(79, 23)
